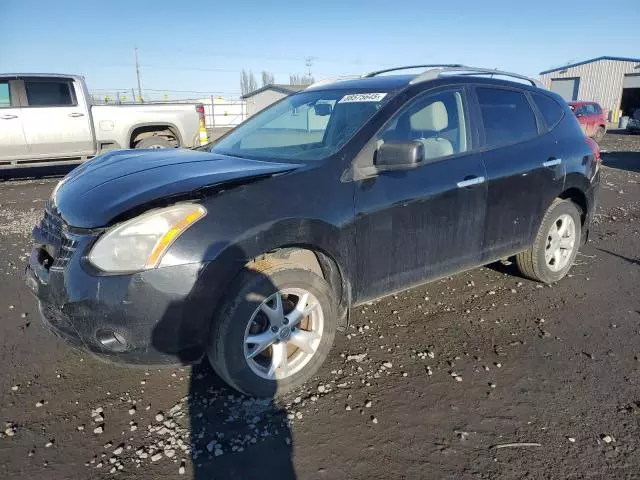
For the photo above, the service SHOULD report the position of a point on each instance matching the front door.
(419, 224)
(525, 170)
(13, 144)
(56, 124)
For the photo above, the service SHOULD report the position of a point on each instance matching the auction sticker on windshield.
(362, 97)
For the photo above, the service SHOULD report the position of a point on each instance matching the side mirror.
(399, 155)
(322, 109)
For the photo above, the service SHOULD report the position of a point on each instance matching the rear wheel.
(599, 134)
(154, 142)
(556, 245)
(274, 329)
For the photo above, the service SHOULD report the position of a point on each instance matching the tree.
(247, 82)
(297, 79)
(267, 78)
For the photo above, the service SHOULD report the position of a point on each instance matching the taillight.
(595, 148)
(200, 110)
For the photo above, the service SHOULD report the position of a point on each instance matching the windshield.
(307, 126)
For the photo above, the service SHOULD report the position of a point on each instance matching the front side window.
(308, 126)
(5, 95)
(49, 93)
(506, 115)
(591, 110)
(597, 108)
(549, 108)
(436, 120)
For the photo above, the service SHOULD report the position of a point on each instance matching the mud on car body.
(251, 251)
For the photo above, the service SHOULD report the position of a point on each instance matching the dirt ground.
(435, 382)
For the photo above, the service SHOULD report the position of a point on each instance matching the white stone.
(181, 470)
(118, 450)
(387, 365)
(159, 417)
(155, 457)
(170, 453)
(132, 411)
(98, 429)
(39, 404)
(98, 419)
(14, 388)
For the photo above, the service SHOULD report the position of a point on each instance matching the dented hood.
(116, 182)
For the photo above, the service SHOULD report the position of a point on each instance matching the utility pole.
(138, 74)
(308, 62)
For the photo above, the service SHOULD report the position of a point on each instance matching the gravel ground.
(480, 375)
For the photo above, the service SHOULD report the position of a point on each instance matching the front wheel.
(556, 245)
(274, 329)
(599, 134)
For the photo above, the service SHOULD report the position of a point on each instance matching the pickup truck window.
(5, 96)
(49, 93)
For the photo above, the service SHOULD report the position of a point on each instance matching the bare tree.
(297, 79)
(247, 82)
(267, 78)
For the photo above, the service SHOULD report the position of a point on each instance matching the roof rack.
(408, 67)
(436, 72)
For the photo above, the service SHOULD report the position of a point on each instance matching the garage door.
(567, 88)
(631, 81)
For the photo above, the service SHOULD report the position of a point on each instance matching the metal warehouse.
(613, 82)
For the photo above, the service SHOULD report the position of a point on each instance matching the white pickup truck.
(48, 118)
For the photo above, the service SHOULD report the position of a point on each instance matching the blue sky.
(200, 46)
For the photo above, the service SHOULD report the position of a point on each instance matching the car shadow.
(45, 171)
(629, 161)
(233, 436)
(507, 267)
(626, 259)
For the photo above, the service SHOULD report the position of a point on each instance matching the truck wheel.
(556, 244)
(599, 134)
(154, 142)
(274, 329)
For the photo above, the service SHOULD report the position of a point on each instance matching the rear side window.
(49, 93)
(597, 108)
(590, 109)
(506, 115)
(5, 95)
(550, 110)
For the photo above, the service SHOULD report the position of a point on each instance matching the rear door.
(422, 223)
(56, 120)
(13, 143)
(524, 166)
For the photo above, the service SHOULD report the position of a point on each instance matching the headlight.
(139, 244)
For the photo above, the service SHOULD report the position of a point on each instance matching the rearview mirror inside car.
(322, 109)
(399, 155)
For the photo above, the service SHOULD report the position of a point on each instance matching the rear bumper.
(148, 318)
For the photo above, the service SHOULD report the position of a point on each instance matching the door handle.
(8, 117)
(470, 182)
(75, 114)
(552, 162)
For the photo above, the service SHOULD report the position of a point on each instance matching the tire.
(599, 134)
(154, 142)
(533, 263)
(239, 313)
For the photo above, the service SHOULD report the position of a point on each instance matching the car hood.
(111, 184)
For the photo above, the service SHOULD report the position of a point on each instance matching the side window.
(597, 108)
(49, 93)
(436, 120)
(506, 115)
(550, 110)
(5, 95)
(591, 110)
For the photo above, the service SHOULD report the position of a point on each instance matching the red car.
(592, 118)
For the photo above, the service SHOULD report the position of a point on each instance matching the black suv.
(251, 250)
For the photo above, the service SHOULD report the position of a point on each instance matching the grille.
(53, 234)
